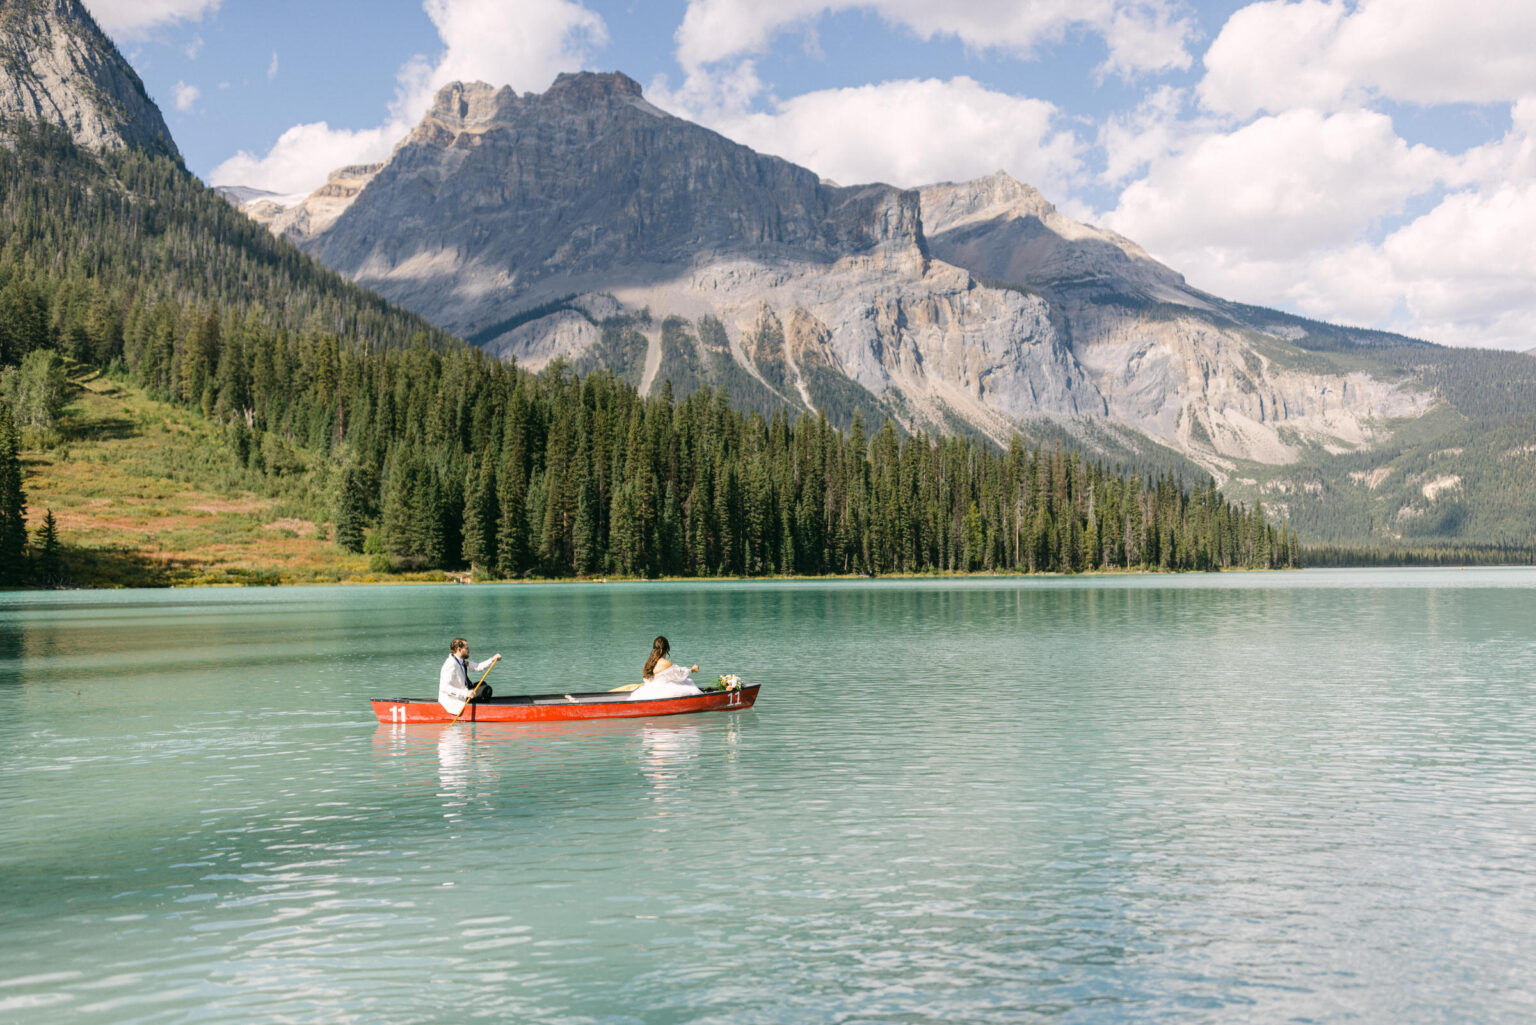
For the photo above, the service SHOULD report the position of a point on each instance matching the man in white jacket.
(454, 684)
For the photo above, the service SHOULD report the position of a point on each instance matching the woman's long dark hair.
(659, 650)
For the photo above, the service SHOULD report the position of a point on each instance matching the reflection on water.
(1224, 799)
(667, 748)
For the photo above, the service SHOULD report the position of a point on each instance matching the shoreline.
(447, 580)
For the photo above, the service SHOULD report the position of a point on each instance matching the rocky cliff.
(586, 224)
(57, 66)
(1215, 380)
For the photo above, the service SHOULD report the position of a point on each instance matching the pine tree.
(50, 554)
(512, 543)
(480, 518)
(13, 503)
(972, 539)
(413, 520)
(351, 509)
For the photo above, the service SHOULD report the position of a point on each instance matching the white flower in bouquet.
(730, 682)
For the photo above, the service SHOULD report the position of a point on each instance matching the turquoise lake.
(1239, 798)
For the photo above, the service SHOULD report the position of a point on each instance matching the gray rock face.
(1003, 230)
(57, 66)
(1171, 362)
(312, 214)
(527, 193)
(531, 224)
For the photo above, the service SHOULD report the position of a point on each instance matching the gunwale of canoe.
(562, 707)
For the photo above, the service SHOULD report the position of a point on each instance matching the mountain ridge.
(972, 305)
(61, 68)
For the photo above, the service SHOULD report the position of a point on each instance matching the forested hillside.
(100, 238)
(430, 454)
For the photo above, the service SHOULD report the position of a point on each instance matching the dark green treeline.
(457, 459)
(429, 454)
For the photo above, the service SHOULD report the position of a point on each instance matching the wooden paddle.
(475, 691)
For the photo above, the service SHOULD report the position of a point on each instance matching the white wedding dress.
(671, 682)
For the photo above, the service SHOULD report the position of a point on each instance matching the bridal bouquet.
(731, 682)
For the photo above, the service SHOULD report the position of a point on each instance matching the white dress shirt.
(454, 684)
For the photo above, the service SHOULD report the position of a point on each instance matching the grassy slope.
(146, 494)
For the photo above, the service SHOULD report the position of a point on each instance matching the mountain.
(547, 225)
(585, 224)
(61, 69)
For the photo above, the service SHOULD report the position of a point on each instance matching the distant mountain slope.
(87, 140)
(141, 225)
(57, 66)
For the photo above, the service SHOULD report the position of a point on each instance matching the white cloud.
(185, 95)
(1291, 191)
(131, 19)
(1281, 186)
(272, 67)
(1512, 158)
(888, 132)
(1145, 37)
(301, 153)
(522, 45)
(1467, 269)
(1299, 209)
(1132, 141)
(1142, 35)
(1274, 55)
(193, 48)
(1462, 274)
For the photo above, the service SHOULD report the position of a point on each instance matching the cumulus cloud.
(304, 155)
(522, 45)
(1467, 269)
(1322, 213)
(185, 95)
(131, 19)
(1280, 186)
(1142, 35)
(1462, 274)
(887, 132)
(1276, 182)
(1130, 142)
(1275, 55)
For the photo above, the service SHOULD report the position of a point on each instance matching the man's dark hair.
(455, 644)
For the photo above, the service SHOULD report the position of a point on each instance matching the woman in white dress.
(662, 679)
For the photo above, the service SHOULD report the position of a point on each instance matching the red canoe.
(555, 707)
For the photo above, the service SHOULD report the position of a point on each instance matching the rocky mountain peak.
(1001, 229)
(57, 66)
(535, 195)
(467, 105)
(993, 197)
(592, 87)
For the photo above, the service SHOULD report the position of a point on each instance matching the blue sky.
(1365, 161)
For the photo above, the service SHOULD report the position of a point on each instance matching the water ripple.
(1235, 799)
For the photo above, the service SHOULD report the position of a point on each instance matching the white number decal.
(397, 713)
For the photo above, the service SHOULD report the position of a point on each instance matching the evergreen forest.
(426, 453)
